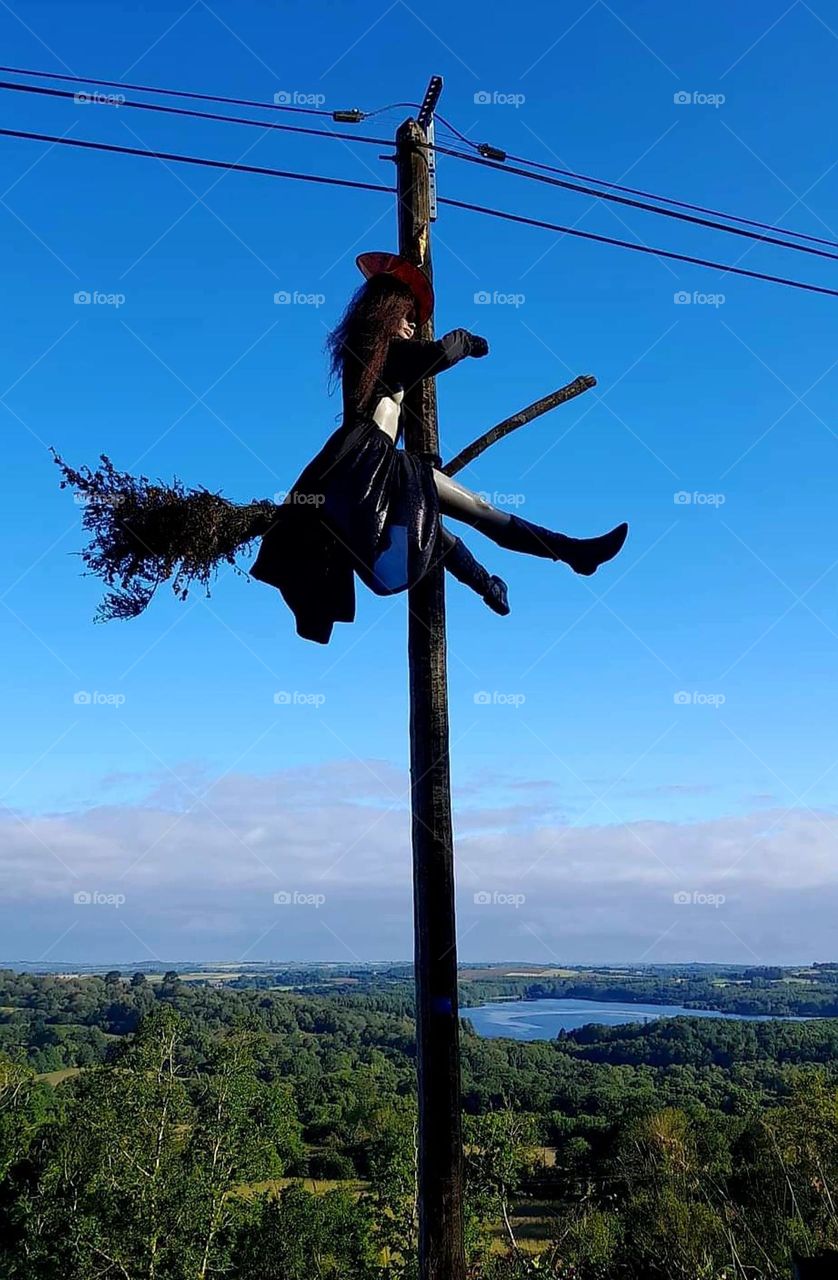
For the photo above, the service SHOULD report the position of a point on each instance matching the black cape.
(362, 506)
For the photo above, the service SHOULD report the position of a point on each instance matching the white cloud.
(198, 864)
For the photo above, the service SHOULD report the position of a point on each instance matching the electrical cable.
(681, 204)
(456, 204)
(204, 115)
(198, 160)
(521, 160)
(638, 204)
(638, 248)
(173, 93)
(636, 191)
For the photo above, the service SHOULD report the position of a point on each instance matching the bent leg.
(463, 566)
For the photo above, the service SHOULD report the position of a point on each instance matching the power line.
(203, 115)
(361, 115)
(638, 204)
(681, 204)
(198, 160)
(451, 129)
(457, 204)
(636, 191)
(638, 248)
(391, 106)
(383, 142)
(172, 93)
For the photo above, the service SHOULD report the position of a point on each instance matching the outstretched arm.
(410, 360)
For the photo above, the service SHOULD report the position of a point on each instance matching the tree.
(393, 1192)
(299, 1236)
(24, 1108)
(109, 1195)
(242, 1131)
(498, 1158)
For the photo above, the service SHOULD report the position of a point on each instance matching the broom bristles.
(144, 533)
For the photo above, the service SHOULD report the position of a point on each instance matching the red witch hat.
(376, 264)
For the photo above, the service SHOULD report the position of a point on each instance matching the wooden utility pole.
(440, 1181)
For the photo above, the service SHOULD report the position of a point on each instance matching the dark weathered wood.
(544, 405)
(823, 1267)
(440, 1180)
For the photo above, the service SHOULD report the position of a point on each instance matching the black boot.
(459, 561)
(583, 555)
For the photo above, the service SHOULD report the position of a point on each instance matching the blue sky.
(581, 782)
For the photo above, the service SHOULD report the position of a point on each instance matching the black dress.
(362, 506)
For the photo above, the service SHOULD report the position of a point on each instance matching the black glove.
(478, 347)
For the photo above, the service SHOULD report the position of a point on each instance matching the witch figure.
(366, 506)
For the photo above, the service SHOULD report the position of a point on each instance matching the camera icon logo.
(682, 698)
(682, 899)
(82, 698)
(682, 498)
(482, 297)
(282, 98)
(482, 898)
(681, 98)
(82, 898)
(481, 98)
(82, 298)
(681, 298)
(282, 898)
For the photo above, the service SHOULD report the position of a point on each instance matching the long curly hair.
(358, 344)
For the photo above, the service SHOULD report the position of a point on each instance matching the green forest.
(262, 1127)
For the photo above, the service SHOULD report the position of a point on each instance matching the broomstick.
(144, 533)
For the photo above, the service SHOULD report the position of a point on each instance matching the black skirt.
(362, 506)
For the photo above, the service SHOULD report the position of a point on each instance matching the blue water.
(543, 1019)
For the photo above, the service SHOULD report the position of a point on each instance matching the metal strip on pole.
(440, 1174)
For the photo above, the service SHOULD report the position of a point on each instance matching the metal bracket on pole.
(429, 102)
(425, 120)
(429, 134)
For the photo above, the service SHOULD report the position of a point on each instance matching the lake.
(544, 1019)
